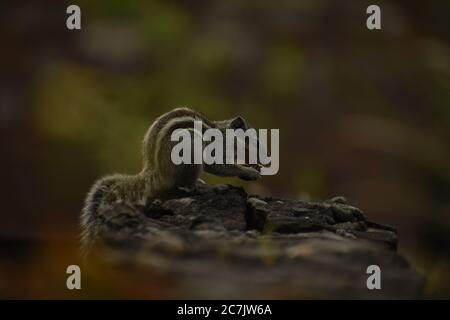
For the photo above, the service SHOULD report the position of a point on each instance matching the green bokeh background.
(363, 114)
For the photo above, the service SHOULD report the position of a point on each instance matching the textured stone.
(218, 242)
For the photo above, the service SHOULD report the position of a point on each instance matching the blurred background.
(363, 114)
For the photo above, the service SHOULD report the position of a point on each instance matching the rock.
(218, 242)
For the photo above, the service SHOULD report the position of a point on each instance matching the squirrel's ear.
(238, 123)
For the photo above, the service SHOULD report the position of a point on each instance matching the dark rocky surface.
(220, 242)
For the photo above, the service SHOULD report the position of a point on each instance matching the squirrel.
(159, 176)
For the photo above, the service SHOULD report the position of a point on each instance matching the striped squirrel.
(159, 176)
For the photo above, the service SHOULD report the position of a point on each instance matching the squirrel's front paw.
(250, 174)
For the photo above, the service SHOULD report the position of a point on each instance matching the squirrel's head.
(236, 124)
